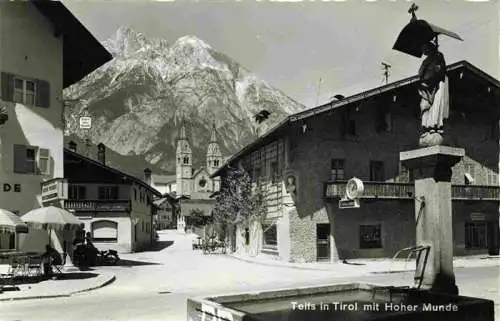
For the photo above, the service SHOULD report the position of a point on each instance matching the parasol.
(11, 223)
(51, 218)
(418, 32)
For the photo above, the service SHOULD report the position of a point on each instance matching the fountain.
(434, 296)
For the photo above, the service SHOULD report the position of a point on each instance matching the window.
(338, 170)
(491, 177)
(108, 192)
(216, 163)
(105, 231)
(31, 159)
(33, 92)
(470, 175)
(275, 176)
(77, 192)
(493, 130)
(377, 171)
(7, 241)
(135, 194)
(348, 124)
(405, 174)
(24, 91)
(383, 122)
(475, 235)
(256, 174)
(203, 183)
(186, 160)
(370, 236)
(270, 238)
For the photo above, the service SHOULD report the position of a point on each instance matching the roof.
(113, 170)
(276, 130)
(163, 179)
(82, 53)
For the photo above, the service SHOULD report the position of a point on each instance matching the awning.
(418, 32)
(11, 223)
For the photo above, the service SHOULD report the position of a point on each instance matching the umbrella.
(51, 218)
(418, 32)
(11, 223)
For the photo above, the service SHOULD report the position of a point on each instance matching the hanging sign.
(85, 122)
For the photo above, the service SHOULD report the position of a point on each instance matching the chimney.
(101, 153)
(147, 176)
(72, 146)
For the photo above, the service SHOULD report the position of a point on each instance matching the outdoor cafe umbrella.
(51, 218)
(417, 33)
(11, 223)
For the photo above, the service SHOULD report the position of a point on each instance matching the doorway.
(493, 238)
(323, 242)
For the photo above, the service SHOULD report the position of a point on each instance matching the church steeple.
(214, 155)
(213, 134)
(184, 163)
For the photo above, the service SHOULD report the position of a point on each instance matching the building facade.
(304, 164)
(116, 208)
(39, 57)
(165, 214)
(196, 186)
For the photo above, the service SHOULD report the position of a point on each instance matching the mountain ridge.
(138, 99)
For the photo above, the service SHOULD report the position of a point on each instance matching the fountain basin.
(352, 301)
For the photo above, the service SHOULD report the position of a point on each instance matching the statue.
(433, 90)
(418, 38)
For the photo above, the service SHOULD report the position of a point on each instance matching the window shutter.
(19, 159)
(44, 161)
(42, 94)
(7, 87)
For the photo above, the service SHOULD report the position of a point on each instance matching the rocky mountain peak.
(126, 42)
(138, 100)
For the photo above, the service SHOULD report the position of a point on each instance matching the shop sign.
(477, 217)
(6, 187)
(54, 190)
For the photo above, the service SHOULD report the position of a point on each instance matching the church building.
(195, 186)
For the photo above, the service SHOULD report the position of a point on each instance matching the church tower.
(214, 157)
(184, 163)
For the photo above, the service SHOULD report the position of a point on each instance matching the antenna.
(319, 89)
(386, 68)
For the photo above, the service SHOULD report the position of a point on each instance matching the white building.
(165, 184)
(44, 49)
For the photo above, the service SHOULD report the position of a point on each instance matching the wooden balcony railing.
(383, 190)
(98, 205)
(475, 192)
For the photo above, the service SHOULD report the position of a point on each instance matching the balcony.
(383, 190)
(475, 192)
(98, 205)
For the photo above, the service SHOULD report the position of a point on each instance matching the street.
(148, 291)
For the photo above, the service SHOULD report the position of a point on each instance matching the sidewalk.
(66, 285)
(366, 266)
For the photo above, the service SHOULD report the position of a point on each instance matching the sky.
(311, 50)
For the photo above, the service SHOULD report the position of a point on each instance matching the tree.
(197, 217)
(238, 202)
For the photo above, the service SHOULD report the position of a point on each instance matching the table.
(23, 263)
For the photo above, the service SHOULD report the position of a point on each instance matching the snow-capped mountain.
(138, 100)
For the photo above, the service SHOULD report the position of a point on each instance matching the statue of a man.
(434, 105)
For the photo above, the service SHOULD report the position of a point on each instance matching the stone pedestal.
(432, 172)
